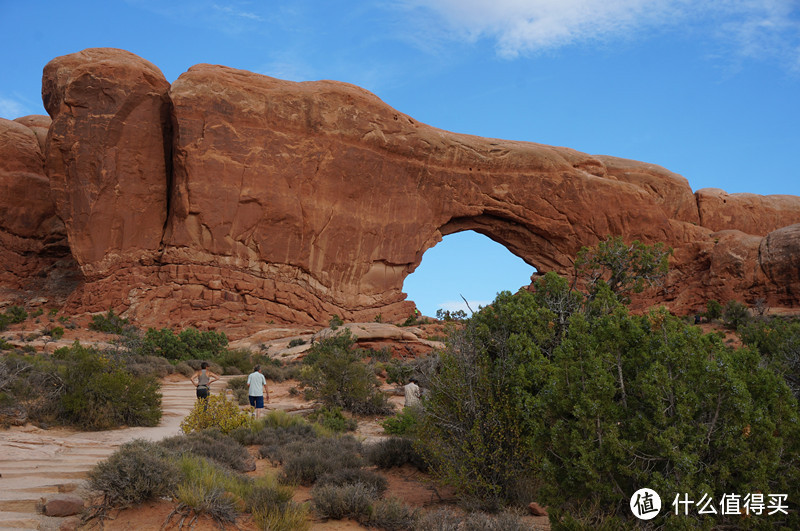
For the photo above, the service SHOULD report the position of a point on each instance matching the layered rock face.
(234, 197)
(32, 237)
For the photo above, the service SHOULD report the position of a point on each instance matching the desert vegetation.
(555, 395)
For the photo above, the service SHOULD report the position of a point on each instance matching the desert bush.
(209, 489)
(214, 445)
(214, 412)
(335, 322)
(56, 332)
(306, 461)
(187, 345)
(394, 452)
(735, 314)
(240, 389)
(137, 472)
(449, 520)
(267, 493)
(713, 310)
(296, 342)
(336, 376)
(275, 441)
(100, 394)
(148, 366)
(233, 358)
(331, 418)
(16, 314)
(184, 369)
(291, 517)
(391, 515)
(399, 372)
(212, 365)
(346, 501)
(351, 476)
(110, 323)
(273, 372)
(404, 423)
(30, 386)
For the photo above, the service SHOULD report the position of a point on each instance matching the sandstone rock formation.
(32, 237)
(238, 198)
(108, 155)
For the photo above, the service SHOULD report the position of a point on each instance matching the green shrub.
(394, 452)
(335, 322)
(615, 402)
(391, 515)
(238, 358)
(331, 418)
(399, 372)
(713, 310)
(189, 344)
(296, 342)
(351, 476)
(291, 517)
(212, 444)
(208, 489)
(268, 494)
(110, 323)
(214, 412)
(55, 332)
(137, 472)
(16, 314)
(347, 501)
(337, 376)
(735, 314)
(404, 423)
(100, 394)
(778, 342)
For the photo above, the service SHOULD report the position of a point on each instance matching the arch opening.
(467, 264)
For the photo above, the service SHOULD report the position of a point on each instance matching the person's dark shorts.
(202, 391)
(256, 401)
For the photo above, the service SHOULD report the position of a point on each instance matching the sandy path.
(36, 463)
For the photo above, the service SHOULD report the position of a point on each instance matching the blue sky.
(706, 88)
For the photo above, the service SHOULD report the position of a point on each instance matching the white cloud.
(757, 27)
(10, 108)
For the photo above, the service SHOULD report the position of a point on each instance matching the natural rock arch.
(231, 197)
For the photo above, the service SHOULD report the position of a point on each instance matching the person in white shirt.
(412, 393)
(258, 390)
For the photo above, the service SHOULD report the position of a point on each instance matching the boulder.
(61, 505)
(779, 254)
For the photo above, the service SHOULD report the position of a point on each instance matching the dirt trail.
(36, 463)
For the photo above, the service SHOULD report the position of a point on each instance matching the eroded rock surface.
(108, 156)
(32, 237)
(236, 198)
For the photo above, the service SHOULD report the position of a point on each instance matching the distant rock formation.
(232, 197)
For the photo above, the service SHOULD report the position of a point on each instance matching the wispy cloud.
(11, 108)
(518, 27)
